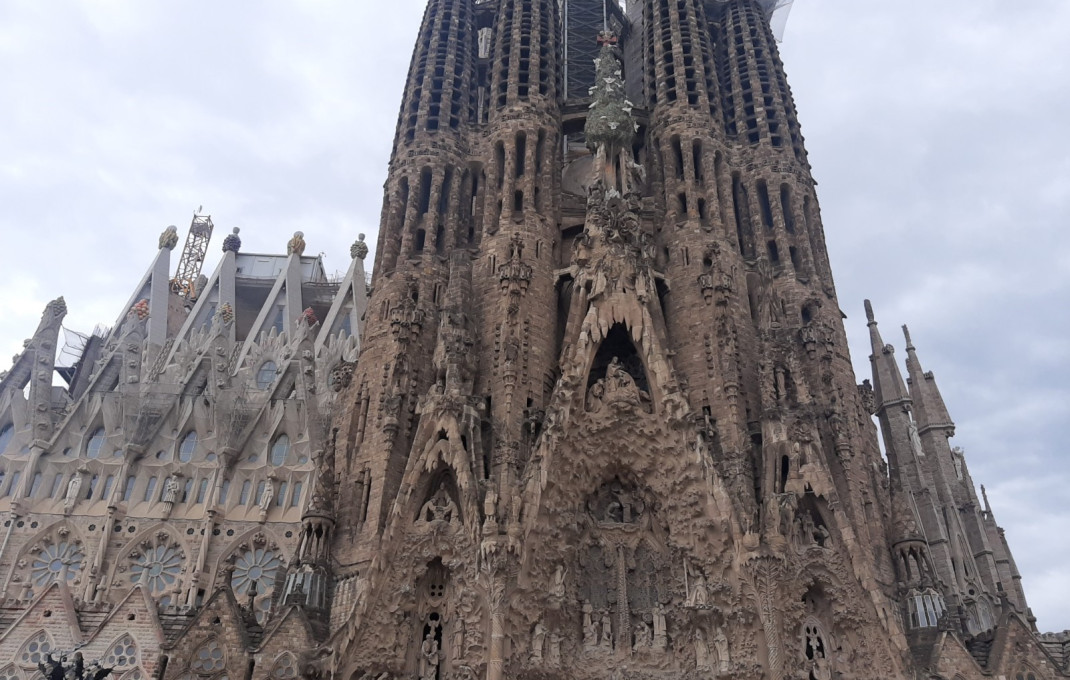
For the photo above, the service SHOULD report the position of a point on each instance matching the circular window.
(279, 449)
(95, 443)
(56, 562)
(266, 375)
(157, 568)
(189, 443)
(6, 434)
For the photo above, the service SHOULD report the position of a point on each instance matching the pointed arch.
(153, 559)
(284, 668)
(257, 558)
(10, 672)
(122, 654)
(56, 554)
(35, 650)
(209, 658)
(617, 372)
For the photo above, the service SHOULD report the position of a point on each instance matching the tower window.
(95, 443)
(189, 444)
(280, 449)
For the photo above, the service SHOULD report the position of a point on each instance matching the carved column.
(765, 574)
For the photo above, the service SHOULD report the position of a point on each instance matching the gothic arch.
(57, 550)
(284, 667)
(122, 654)
(617, 371)
(257, 557)
(35, 650)
(10, 672)
(158, 545)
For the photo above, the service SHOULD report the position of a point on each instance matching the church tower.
(604, 421)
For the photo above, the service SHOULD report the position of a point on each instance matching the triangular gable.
(53, 611)
(290, 631)
(350, 301)
(135, 615)
(222, 605)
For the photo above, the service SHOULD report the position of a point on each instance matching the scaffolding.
(777, 11)
(189, 266)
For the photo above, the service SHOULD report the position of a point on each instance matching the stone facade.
(603, 423)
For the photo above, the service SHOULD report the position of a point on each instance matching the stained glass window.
(122, 654)
(61, 561)
(157, 569)
(209, 658)
(36, 650)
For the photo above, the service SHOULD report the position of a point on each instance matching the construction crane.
(189, 267)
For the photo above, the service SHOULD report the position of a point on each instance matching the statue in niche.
(538, 641)
(724, 658)
(616, 504)
(590, 628)
(73, 487)
(770, 307)
(643, 637)
(915, 439)
(170, 491)
(429, 656)
(617, 388)
(607, 630)
(269, 495)
(698, 595)
(439, 508)
(702, 650)
(553, 657)
(557, 586)
(661, 637)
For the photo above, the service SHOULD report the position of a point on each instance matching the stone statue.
(170, 490)
(607, 631)
(429, 660)
(915, 439)
(73, 487)
(538, 641)
(554, 655)
(268, 496)
(590, 629)
(557, 587)
(439, 508)
(642, 635)
(698, 596)
(661, 637)
(702, 650)
(724, 658)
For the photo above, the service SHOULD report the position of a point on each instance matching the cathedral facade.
(594, 417)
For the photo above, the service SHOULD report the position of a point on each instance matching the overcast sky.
(937, 132)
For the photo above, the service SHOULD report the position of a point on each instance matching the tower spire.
(928, 403)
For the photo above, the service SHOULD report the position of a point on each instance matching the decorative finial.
(359, 249)
(141, 309)
(869, 313)
(309, 317)
(984, 495)
(169, 238)
(296, 245)
(906, 334)
(232, 243)
(226, 313)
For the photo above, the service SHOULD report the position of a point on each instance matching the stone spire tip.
(869, 313)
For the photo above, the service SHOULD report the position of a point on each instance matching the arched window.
(7, 433)
(1025, 675)
(10, 673)
(56, 562)
(266, 375)
(95, 443)
(285, 667)
(279, 449)
(157, 568)
(210, 658)
(36, 650)
(185, 449)
(122, 654)
(259, 566)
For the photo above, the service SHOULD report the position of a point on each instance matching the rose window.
(285, 668)
(259, 566)
(158, 568)
(36, 650)
(122, 654)
(58, 562)
(209, 658)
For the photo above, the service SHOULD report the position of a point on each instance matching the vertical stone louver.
(426, 216)
(520, 215)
